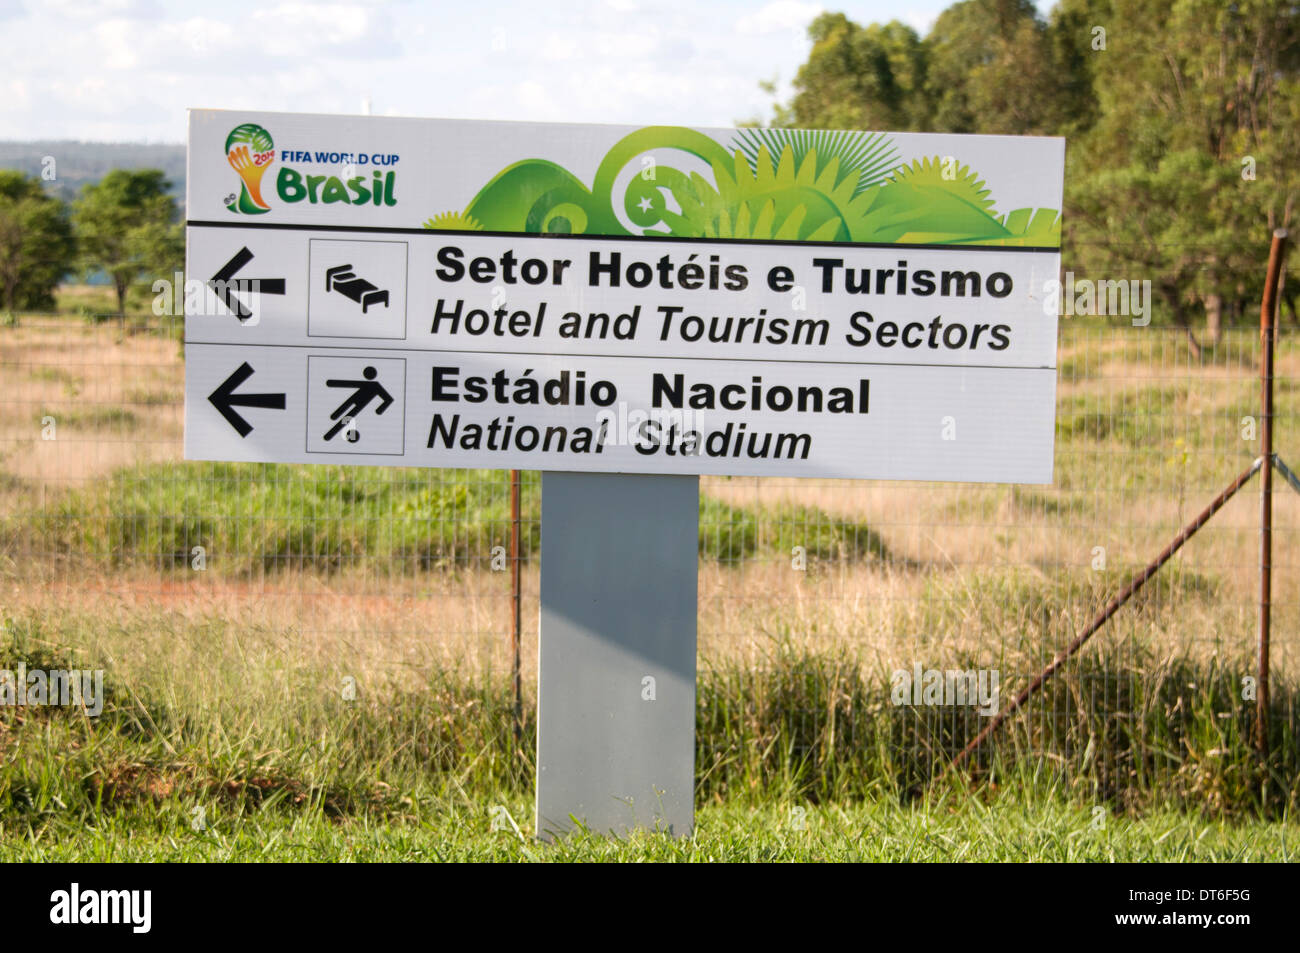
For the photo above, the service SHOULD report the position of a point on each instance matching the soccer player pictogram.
(364, 391)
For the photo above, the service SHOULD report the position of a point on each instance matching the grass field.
(217, 748)
(943, 830)
(226, 682)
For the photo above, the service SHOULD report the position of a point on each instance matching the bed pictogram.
(345, 281)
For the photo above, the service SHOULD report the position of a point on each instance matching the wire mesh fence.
(853, 634)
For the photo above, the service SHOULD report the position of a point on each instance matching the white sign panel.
(663, 300)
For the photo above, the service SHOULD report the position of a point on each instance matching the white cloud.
(117, 42)
(778, 16)
(18, 92)
(560, 47)
(536, 99)
(123, 77)
(75, 11)
(300, 30)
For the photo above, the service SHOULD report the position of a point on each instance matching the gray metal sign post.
(616, 653)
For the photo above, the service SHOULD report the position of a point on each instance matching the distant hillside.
(77, 163)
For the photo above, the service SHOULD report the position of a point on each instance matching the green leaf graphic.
(776, 184)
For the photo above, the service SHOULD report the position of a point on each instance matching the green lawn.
(962, 829)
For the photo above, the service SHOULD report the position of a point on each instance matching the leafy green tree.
(1076, 33)
(989, 66)
(1192, 159)
(36, 243)
(991, 69)
(127, 226)
(859, 78)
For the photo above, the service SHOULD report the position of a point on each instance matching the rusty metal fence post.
(1267, 339)
(516, 598)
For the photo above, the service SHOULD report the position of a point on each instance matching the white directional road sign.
(660, 300)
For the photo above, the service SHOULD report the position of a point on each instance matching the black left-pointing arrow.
(225, 399)
(225, 286)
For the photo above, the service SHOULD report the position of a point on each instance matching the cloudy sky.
(126, 70)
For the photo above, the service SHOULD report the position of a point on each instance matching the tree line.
(1180, 118)
(126, 226)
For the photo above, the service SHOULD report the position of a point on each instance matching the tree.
(1192, 160)
(36, 243)
(990, 66)
(992, 70)
(1076, 33)
(127, 226)
(859, 78)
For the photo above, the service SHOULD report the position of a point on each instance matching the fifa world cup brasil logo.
(250, 151)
